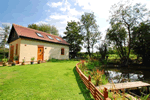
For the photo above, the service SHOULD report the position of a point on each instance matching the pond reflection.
(120, 75)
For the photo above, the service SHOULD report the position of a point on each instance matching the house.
(27, 43)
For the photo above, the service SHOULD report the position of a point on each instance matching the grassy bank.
(46, 81)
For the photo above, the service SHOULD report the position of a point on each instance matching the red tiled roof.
(31, 33)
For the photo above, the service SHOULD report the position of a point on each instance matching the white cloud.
(53, 4)
(41, 22)
(7, 24)
(67, 11)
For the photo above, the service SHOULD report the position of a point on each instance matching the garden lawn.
(46, 81)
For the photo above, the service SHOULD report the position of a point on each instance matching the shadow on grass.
(86, 93)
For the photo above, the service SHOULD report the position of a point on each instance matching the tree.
(129, 16)
(5, 36)
(33, 26)
(73, 38)
(45, 28)
(94, 37)
(117, 34)
(141, 41)
(103, 50)
(90, 30)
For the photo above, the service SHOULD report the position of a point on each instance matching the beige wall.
(14, 44)
(31, 48)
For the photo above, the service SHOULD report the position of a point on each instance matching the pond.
(121, 75)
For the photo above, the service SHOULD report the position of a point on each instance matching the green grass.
(115, 56)
(46, 81)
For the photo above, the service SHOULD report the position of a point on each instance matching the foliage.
(4, 60)
(23, 60)
(98, 76)
(102, 49)
(73, 38)
(141, 41)
(129, 16)
(117, 34)
(89, 30)
(32, 59)
(16, 58)
(4, 37)
(45, 28)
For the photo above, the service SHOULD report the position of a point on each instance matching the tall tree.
(73, 38)
(95, 36)
(141, 41)
(117, 34)
(90, 30)
(129, 16)
(103, 51)
(4, 36)
(45, 28)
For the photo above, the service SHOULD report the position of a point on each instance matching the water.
(121, 75)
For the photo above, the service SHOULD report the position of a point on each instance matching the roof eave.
(42, 40)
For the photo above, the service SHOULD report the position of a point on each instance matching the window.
(40, 35)
(62, 51)
(58, 39)
(49, 37)
(16, 49)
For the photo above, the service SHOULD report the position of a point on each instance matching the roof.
(31, 33)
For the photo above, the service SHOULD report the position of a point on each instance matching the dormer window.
(39, 34)
(58, 39)
(49, 37)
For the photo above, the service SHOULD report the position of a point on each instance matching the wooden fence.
(94, 91)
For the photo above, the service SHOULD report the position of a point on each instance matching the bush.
(4, 60)
(53, 60)
(16, 58)
(98, 77)
(32, 59)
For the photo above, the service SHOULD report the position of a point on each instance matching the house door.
(11, 53)
(40, 53)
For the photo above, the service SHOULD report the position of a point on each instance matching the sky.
(57, 12)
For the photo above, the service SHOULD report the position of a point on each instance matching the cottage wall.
(14, 44)
(29, 49)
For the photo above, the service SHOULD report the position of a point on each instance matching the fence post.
(89, 81)
(105, 93)
(94, 93)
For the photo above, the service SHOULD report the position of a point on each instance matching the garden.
(94, 69)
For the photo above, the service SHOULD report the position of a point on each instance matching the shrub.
(4, 60)
(16, 58)
(53, 60)
(98, 76)
(23, 60)
(32, 59)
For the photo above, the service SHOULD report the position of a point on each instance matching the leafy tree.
(4, 36)
(94, 37)
(33, 26)
(45, 28)
(103, 50)
(129, 16)
(90, 30)
(141, 41)
(73, 38)
(117, 35)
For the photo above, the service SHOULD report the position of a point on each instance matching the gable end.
(13, 35)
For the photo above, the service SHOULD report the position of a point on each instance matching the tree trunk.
(129, 45)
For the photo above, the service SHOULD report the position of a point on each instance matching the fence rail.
(94, 91)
